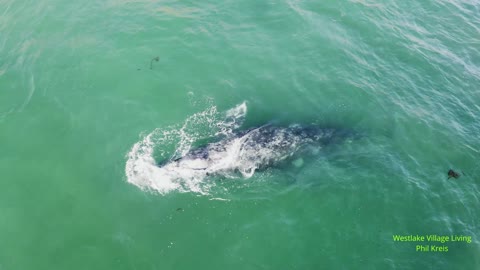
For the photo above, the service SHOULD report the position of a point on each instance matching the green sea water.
(80, 88)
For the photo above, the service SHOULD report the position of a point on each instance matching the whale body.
(244, 152)
(211, 144)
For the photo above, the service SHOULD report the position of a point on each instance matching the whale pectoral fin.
(298, 162)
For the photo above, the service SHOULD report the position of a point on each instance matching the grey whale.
(253, 149)
(214, 144)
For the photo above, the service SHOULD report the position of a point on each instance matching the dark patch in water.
(452, 173)
(154, 59)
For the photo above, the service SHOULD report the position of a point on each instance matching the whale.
(246, 151)
(211, 146)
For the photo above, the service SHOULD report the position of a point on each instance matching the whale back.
(254, 149)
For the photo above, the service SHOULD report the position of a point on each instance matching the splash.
(141, 168)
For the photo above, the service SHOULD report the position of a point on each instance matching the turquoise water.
(79, 90)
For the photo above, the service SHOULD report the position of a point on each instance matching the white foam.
(142, 170)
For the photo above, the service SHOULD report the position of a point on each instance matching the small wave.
(30, 93)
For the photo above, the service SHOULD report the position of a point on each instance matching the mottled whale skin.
(257, 148)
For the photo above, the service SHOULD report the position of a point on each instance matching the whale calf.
(246, 151)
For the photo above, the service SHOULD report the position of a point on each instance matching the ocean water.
(87, 113)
